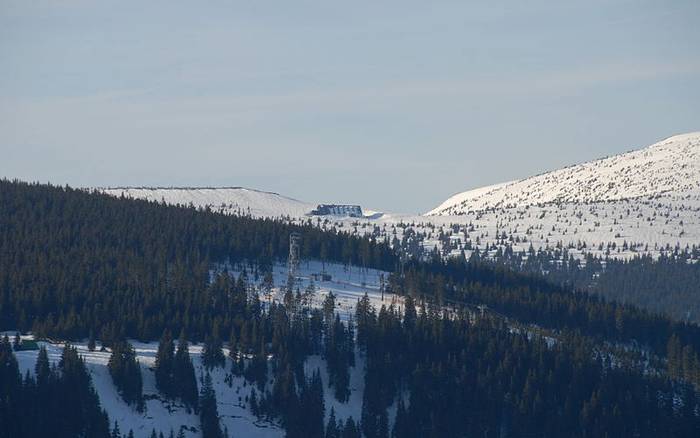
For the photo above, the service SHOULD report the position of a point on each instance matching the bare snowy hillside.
(230, 200)
(668, 168)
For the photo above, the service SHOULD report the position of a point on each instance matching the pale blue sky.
(395, 106)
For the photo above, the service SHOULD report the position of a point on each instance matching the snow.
(348, 283)
(471, 195)
(231, 200)
(671, 166)
(228, 200)
(161, 414)
(648, 199)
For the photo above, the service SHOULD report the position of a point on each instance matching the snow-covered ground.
(669, 167)
(348, 283)
(160, 414)
(640, 202)
(230, 200)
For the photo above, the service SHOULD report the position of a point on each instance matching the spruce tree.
(10, 391)
(212, 354)
(332, 426)
(116, 433)
(126, 373)
(91, 341)
(208, 412)
(184, 375)
(165, 357)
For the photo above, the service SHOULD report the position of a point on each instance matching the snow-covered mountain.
(642, 202)
(231, 200)
(668, 168)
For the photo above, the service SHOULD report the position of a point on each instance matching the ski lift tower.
(294, 252)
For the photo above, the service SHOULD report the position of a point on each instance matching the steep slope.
(668, 168)
(232, 200)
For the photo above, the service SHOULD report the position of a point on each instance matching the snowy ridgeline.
(619, 229)
(642, 202)
(229, 200)
(670, 167)
(347, 283)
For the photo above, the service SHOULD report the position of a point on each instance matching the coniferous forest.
(669, 284)
(477, 349)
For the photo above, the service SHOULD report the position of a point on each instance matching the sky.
(394, 105)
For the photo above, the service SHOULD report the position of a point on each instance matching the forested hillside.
(471, 350)
(669, 284)
(72, 262)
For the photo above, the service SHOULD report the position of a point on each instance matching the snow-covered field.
(348, 283)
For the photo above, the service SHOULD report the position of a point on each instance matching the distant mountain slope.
(227, 199)
(640, 202)
(668, 168)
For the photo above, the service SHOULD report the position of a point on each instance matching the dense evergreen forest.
(72, 262)
(539, 360)
(56, 401)
(669, 284)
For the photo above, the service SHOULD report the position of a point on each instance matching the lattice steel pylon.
(294, 253)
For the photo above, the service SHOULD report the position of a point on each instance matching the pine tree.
(400, 429)
(164, 365)
(350, 430)
(183, 374)
(91, 341)
(44, 384)
(409, 317)
(115, 431)
(311, 404)
(79, 407)
(126, 373)
(233, 345)
(329, 310)
(332, 426)
(212, 354)
(17, 343)
(208, 412)
(42, 369)
(10, 391)
(254, 408)
(383, 430)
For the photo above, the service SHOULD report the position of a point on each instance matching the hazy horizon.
(394, 106)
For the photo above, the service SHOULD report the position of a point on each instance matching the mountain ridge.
(674, 164)
(229, 200)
